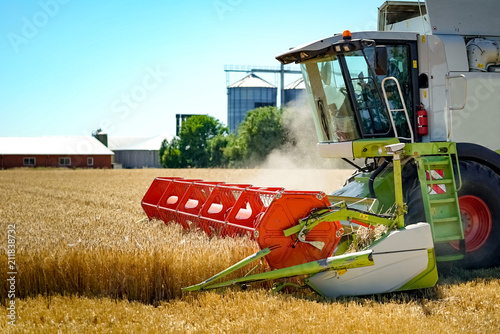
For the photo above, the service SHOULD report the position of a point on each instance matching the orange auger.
(263, 214)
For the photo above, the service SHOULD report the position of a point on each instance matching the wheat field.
(88, 261)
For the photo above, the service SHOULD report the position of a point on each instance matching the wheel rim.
(476, 220)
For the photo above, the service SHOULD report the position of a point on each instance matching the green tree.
(234, 152)
(170, 155)
(216, 147)
(194, 137)
(260, 133)
(163, 149)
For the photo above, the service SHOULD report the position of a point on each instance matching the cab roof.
(322, 46)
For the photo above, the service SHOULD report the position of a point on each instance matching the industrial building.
(54, 151)
(136, 152)
(247, 94)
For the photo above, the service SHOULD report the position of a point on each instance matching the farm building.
(54, 151)
(136, 152)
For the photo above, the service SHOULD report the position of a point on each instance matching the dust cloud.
(297, 164)
(300, 151)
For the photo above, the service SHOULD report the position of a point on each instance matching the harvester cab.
(359, 86)
(355, 89)
(392, 98)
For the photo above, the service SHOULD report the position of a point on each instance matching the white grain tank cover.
(464, 17)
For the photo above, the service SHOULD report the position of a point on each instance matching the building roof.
(252, 80)
(136, 143)
(52, 145)
(297, 84)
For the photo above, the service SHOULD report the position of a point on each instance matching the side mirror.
(380, 60)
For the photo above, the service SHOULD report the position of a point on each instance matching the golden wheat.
(85, 254)
(463, 308)
(83, 232)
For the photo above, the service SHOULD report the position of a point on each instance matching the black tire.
(412, 194)
(481, 184)
(479, 198)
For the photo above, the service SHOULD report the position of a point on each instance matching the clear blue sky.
(70, 67)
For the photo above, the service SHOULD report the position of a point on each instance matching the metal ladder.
(442, 211)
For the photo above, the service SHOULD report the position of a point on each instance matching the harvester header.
(262, 214)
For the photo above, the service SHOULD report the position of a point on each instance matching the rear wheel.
(476, 220)
(479, 201)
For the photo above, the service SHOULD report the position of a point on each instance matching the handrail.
(448, 98)
(448, 77)
(403, 109)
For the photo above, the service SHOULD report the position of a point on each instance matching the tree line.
(204, 142)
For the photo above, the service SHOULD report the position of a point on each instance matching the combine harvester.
(421, 106)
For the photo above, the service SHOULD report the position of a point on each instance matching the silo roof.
(252, 80)
(297, 84)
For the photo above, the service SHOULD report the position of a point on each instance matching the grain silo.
(247, 94)
(295, 93)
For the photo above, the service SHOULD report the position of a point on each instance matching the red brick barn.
(54, 151)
